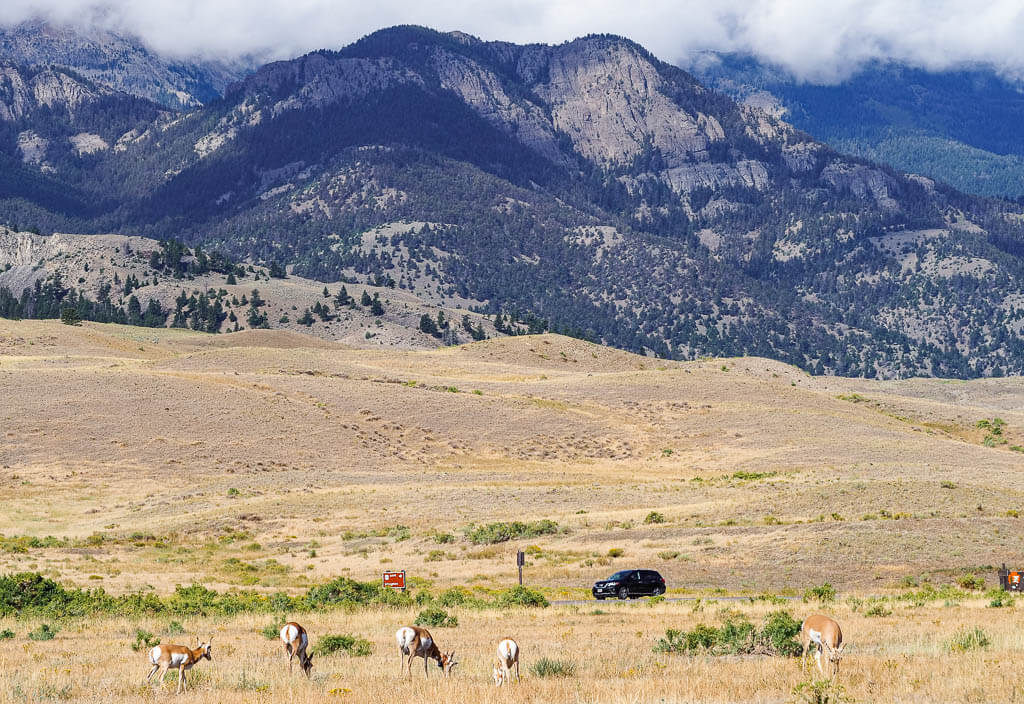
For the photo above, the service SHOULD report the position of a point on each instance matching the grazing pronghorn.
(508, 655)
(295, 642)
(417, 642)
(826, 636)
(179, 656)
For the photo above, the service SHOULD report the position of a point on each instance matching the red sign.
(1014, 580)
(395, 580)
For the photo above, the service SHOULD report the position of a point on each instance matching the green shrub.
(503, 532)
(971, 582)
(349, 592)
(998, 598)
(521, 596)
(968, 639)
(878, 609)
(353, 645)
(781, 631)
(6, 634)
(436, 617)
(668, 554)
(736, 636)
(654, 517)
(616, 552)
(273, 630)
(548, 667)
(824, 594)
(444, 538)
(44, 632)
(144, 640)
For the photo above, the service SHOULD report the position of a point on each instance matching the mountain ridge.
(587, 184)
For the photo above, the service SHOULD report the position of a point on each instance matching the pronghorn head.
(447, 662)
(499, 675)
(206, 647)
(834, 654)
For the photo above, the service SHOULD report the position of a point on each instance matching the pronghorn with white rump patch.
(827, 637)
(182, 657)
(508, 655)
(417, 642)
(295, 642)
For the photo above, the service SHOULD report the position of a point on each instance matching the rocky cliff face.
(23, 91)
(119, 62)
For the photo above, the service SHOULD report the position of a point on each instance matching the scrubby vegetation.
(503, 532)
(736, 636)
(343, 643)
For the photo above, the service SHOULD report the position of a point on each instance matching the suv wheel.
(659, 591)
(623, 593)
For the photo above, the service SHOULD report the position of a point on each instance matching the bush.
(353, 645)
(273, 630)
(548, 667)
(824, 594)
(668, 554)
(616, 552)
(654, 517)
(503, 532)
(878, 609)
(174, 628)
(44, 632)
(444, 538)
(6, 634)
(998, 598)
(971, 582)
(968, 639)
(434, 616)
(521, 596)
(349, 592)
(736, 636)
(144, 640)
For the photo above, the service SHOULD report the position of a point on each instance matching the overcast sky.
(819, 40)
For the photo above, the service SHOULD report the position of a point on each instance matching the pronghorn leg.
(160, 676)
(426, 672)
(181, 679)
(150, 675)
(517, 672)
(817, 660)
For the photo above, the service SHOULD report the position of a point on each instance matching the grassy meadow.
(265, 462)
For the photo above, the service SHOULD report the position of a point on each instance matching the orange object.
(395, 580)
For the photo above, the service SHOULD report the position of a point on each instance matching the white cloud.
(817, 39)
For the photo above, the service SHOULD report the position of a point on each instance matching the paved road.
(581, 602)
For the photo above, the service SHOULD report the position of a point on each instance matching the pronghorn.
(179, 656)
(417, 642)
(295, 642)
(826, 636)
(508, 655)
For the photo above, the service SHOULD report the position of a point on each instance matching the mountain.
(958, 126)
(120, 62)
(135, 280)
(588, 187)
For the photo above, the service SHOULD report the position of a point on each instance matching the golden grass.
(268, 460)
(903, 657)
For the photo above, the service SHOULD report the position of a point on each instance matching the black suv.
(628, 584)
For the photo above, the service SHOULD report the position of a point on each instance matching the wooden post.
(520, 561)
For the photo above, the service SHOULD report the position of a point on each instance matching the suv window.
(650, 576)
(620, 575)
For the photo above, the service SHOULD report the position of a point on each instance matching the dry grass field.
(268, 460)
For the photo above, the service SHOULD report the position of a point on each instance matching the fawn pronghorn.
(295, 642)
(508, 655)
(417, 642)
(182, 657)
(826, 636)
